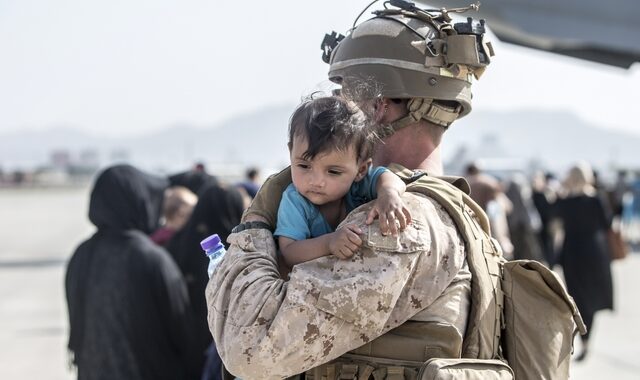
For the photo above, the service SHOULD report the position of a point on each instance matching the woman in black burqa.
(129, 312)
(584, 257)
(218, 210)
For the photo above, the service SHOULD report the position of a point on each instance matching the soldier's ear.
(380, 109)
(363, 169)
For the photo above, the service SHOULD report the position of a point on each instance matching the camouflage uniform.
(269, 328)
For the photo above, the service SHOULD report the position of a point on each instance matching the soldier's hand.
(393, 214)
(345, 242)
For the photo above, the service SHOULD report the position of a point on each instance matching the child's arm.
(388, 205)
(342, 243)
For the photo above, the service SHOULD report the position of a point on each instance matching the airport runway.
(40, 228)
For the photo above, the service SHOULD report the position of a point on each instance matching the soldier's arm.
(264, 207)
(267, 328)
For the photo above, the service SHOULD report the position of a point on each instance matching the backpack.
(520, 310)
(541, 321)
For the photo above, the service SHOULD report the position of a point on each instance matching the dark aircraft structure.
(600, 31)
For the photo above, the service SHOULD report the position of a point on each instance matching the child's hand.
(345, 242)
(390, 208)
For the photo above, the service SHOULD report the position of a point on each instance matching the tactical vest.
(413, 343)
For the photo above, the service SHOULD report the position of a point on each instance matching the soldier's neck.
(428, 160)
(416, 147)
(432, 166)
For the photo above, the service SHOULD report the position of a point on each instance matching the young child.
(177, 205)
(330, 148)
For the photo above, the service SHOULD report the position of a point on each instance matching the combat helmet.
(416, 54)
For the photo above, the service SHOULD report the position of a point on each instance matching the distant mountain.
(256, 138)
(552, 139)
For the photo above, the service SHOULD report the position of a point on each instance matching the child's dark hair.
(329, 123)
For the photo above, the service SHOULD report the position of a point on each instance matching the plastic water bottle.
(214, 249)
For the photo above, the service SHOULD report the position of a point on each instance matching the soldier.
(401, 300)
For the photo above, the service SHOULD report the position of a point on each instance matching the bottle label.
(214, 259)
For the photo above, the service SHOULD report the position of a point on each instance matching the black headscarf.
(193, 180)
(218, 210)
(129, 313)
(124, 198)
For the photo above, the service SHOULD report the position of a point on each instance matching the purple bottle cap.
(211, 242)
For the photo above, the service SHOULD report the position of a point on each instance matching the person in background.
(129, 312)
(484, 188)
(618, 191)
(218, 210)
(543, 196)
(252, 182)
(488, 194)
(584, 256)
(603, 194)
(194, 179)
(524, 220)
(176, 209)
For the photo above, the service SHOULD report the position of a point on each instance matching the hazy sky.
(127, 67)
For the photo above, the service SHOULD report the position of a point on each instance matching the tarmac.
(39, 230)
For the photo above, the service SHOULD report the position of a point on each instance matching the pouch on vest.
(465, 369)
(541, 321)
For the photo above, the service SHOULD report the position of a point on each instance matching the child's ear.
(363, 168)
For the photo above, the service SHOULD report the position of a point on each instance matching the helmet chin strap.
(423, 108)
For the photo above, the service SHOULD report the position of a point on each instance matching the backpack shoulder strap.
(484, 256)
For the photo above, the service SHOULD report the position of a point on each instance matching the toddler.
(330, 148)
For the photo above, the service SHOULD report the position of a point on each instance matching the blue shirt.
(299, 219)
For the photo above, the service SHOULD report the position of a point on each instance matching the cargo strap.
(341, 369)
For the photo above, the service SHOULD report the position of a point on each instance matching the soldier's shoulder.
(427, 209)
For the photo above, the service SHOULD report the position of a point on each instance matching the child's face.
(328, 176)
(180, 218)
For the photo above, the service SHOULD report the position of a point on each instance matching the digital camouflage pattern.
(269, 328)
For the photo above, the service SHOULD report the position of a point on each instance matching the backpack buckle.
(348, 372)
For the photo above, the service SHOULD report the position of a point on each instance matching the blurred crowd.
(574, 221)
(135, 289)
(525, 210)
